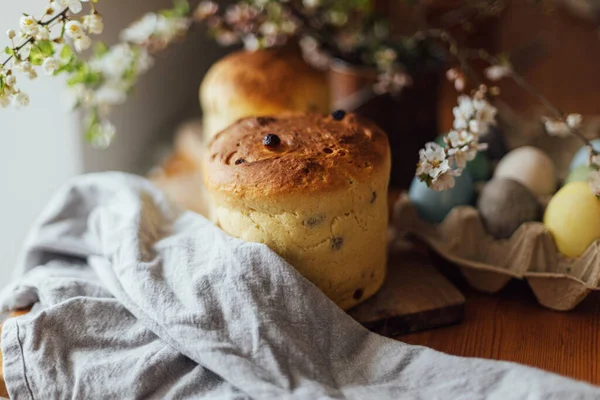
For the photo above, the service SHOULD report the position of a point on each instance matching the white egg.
(531, 167)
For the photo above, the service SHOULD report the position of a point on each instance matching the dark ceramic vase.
(410, 119)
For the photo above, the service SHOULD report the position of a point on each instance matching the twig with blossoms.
(560, 124)
(40, 44)
(52, 41)
(344, 30)
(439, 166)
(105, 81)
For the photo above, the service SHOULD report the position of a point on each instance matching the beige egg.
(531, 167)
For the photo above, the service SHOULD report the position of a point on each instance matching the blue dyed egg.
(480, 167)
(581, 157)
(434, 206)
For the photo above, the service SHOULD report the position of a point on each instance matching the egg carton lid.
(488, 264)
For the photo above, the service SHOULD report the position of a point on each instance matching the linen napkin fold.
(137, 299)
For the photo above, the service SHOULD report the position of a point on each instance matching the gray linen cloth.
(136, 299)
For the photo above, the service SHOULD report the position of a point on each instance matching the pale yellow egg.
(573, 218)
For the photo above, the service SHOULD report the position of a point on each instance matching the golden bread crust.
(316, 154)
(263, 82)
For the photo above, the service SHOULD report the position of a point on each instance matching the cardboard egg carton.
(488, 264)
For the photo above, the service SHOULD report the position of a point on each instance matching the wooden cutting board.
(414, 297)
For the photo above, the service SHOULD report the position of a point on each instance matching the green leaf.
(93, 126)
(9, 51)
(66, 53)
(36, 57)
(46, 47)
(182, 7)
(83, 75)
(91, 133)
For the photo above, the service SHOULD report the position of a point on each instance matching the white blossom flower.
(466, 106)
(93, 23)
(22, 66)
(386, 57)
(459, 138)
(594, 182)
(168, 29)
(440, 169)
(10, 80)
(452, 74)
(74, 29)
(225, 37)
(462, 155)
(463, 112)
(432, 160)
(142, 30)
(556, 128)
(52, 9)
(4, 101)
(497, 72)
(268, 28)
(105, 135)
(392, 81)
(25, 51)
(474, 114)
(32, 74)
(29, 25)
(11, 34)
(574, 120)
(445, 180)
(81, 95)
(484, 117)
(116, 62)
(251, 43)
(486, 113)
(206, 9)
(594, 161)
(144, 61)
(311, 3)
(20, 100)
(74, 6)
(50, 65)
(83, 43)
(241, 15)
(459, 84)
(110, 94)
(43, 33)
(289, 27)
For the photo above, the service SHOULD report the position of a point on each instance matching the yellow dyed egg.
(573, 218)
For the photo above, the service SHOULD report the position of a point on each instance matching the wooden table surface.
(512, 326)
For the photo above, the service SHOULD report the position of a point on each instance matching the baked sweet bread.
(179, 176)
(312, 188)
(262, 82)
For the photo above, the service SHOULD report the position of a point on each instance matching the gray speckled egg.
(505, 204)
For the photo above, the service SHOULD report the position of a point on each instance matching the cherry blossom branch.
(528, 87)
(61, 15)
(463, 55)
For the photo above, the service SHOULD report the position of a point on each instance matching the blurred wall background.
(41, 146)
